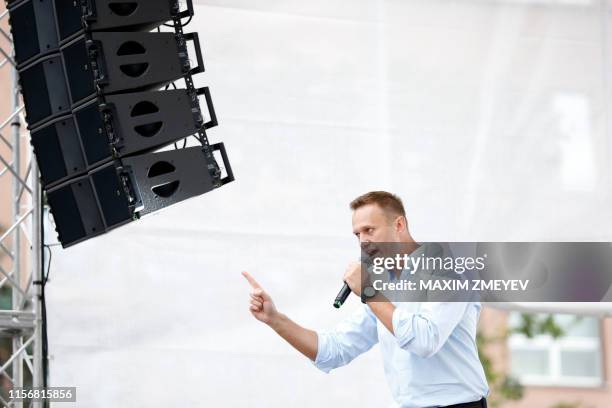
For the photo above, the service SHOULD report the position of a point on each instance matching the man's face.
(371, 224)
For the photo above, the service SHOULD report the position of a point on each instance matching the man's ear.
(401, 224)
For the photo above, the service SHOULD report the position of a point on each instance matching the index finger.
(251, 280)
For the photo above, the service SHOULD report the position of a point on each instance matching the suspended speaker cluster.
(95, 78)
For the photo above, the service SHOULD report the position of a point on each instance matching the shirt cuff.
(402, 327)
(323, 360)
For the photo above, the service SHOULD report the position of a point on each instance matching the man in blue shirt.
(429, 349)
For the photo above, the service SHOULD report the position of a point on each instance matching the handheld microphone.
(342, 295)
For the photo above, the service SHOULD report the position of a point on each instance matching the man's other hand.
(261, 304)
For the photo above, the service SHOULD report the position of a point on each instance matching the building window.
(572, 360)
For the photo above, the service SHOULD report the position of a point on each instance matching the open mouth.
(371, 251)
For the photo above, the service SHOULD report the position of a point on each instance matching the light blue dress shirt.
(430, 361)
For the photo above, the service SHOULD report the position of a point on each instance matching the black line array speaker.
(117, 62)
(94, 80)
(34, 29)
(106, 63)
(121, 191)
(40, 26)
(116, 126)
(113, 15)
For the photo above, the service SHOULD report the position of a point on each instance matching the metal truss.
(21, 246)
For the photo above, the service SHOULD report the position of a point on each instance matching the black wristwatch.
(368, 293)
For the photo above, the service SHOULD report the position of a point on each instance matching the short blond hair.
(390, 203)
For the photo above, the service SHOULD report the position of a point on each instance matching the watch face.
(369, 291)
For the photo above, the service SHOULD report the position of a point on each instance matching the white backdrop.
(488, 117)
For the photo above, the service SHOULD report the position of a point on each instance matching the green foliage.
(504, 387)
(511, 389)
(566, 405)
(532, 325)
(6, 302)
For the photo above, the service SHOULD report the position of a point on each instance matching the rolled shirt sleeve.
(353, 336)
(425, 332)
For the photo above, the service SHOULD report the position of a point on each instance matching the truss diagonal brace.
(16, 224)
(17, 176)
